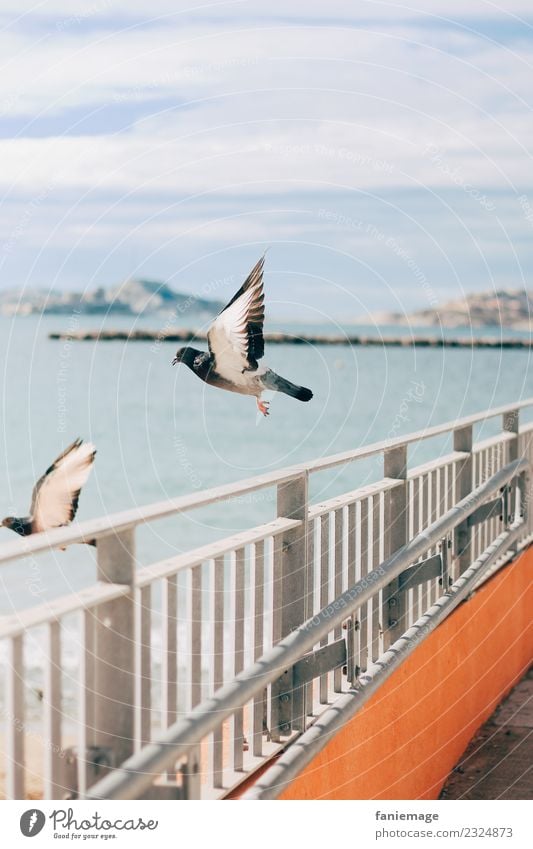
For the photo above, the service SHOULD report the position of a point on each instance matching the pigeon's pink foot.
(263, 406)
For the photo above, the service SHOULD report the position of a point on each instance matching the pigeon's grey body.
(236, 344)
(56, 494)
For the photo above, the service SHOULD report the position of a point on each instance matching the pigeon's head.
(9, 522)
(185, 355)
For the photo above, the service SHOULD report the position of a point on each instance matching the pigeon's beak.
(174, 361)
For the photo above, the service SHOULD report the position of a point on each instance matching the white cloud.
(257, 8)
(234, 111)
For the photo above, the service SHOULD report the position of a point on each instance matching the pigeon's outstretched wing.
(236, 336)
(55, 495)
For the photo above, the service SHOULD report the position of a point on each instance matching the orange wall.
(404, 742)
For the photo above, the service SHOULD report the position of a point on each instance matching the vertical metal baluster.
(143, 663)
(86, 729)
(448, 476)
(352, 538)
(193, 767)
(511, 424)
(435, 508)
(495, 466)
(488, 526)
(444, 483)
(409, 596)
(375, 626)
(395, 532)
(528, 452)
(217, 649)
(443, 508)
(426, 507)
(480, 529)
(309, 607)
(337, 588)
(196, 635)
(363, 525)
(238, 718)
(478, 476)
(169, 650)
(324, 594)
(464, 483)
(415, 509)
(352, 580)
(53, 761)
(277, 594)
(259, 605)
(277, 611)
(15, 725)
(494, 524)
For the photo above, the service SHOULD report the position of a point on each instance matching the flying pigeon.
(236, 343)
(55, 496)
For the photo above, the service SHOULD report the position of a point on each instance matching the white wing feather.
(56, 494)
(228, 335)
(230, 342)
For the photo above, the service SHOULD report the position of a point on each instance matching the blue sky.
(381, 149)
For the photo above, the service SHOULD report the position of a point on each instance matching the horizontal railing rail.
(137, 774)
(124, 521)
(228, 645)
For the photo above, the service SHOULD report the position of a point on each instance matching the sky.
(380, 150)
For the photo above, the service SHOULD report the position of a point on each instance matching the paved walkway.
(498, 763)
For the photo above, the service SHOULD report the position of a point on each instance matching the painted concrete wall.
(405, 741)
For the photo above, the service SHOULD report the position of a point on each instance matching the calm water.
(160, 432)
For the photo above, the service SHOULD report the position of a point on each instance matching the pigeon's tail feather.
(271, 380)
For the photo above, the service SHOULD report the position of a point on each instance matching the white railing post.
(16, 720)
(288, 708)
(463, 440)
(115, 652)
(510, 423)
(396, 520)
(514, 499)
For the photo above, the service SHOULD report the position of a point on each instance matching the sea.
(162, 433)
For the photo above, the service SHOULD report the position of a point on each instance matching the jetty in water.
(283, 338)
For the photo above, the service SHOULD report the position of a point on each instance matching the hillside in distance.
(133, 297)
(511, 308)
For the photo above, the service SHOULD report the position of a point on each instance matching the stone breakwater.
(494, 343)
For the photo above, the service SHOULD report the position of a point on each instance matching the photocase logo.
(32, 822)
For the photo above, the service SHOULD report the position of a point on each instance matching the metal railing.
(262, 631)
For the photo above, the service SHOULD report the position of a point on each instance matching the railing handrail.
(136, 774)
(295, 758)
(122, 521)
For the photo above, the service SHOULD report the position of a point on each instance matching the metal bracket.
(421, 572)
(490, 510)
(445, 550)
(291, 683)
(311, 666)
(98, 760)
(165, 790)
(69, 777)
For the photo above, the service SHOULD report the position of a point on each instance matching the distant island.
(512, 308)
(133, 297)
(506, 308)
